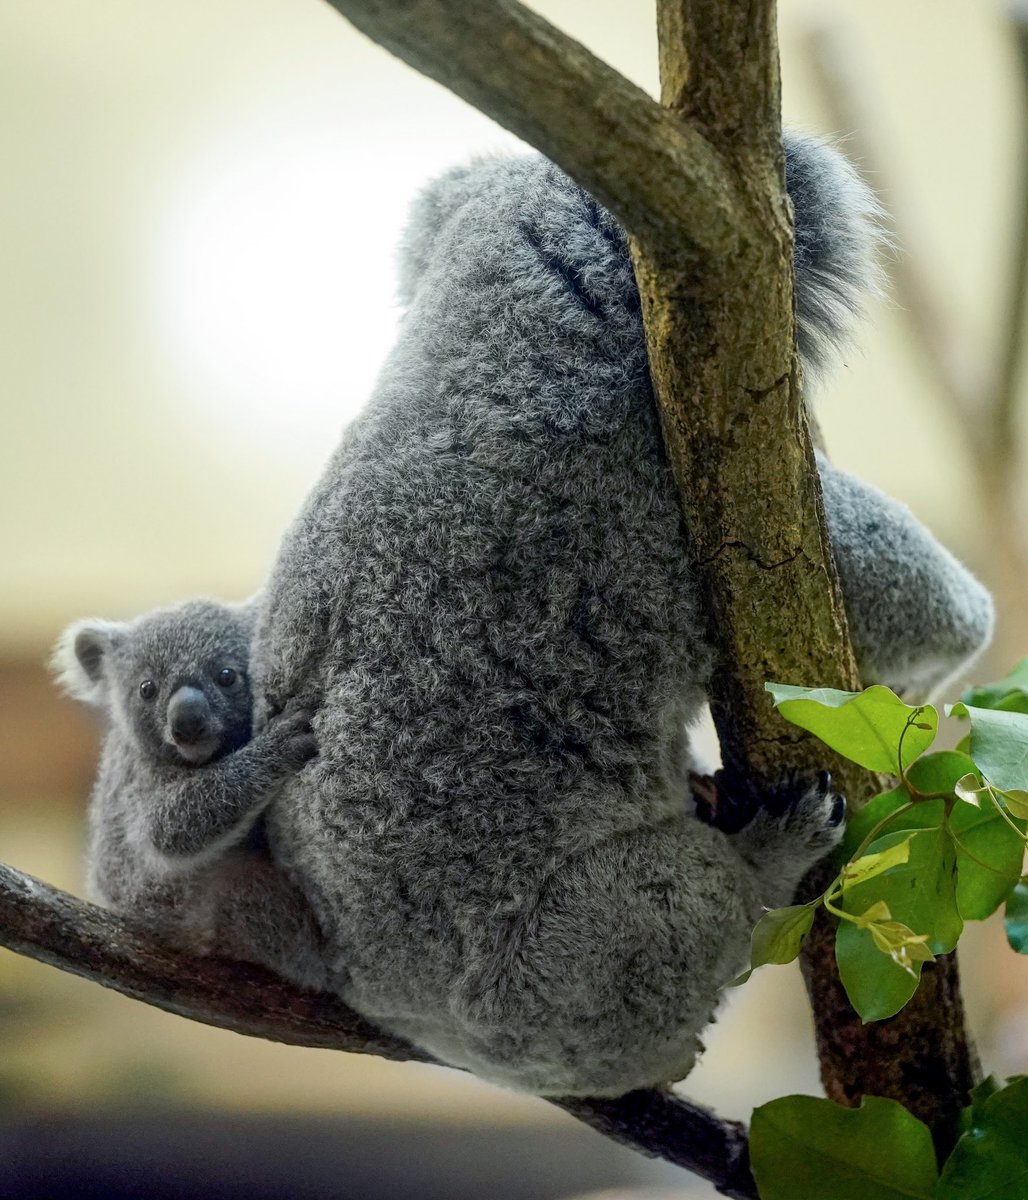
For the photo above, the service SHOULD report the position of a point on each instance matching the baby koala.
(176, 837)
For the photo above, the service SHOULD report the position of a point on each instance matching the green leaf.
(861, 823)
(999, 746)
(989, 852)
(870, 865)
(863, 726)
(905, 947)
(940, 772)
(877, 912)
(803, 1148)
(1009, 694)
(877, 986)
(1017, 803)
(989, 1161)
(779, 934)
(1016, 919)
(989, 859)
(921, 895)
(971, 790)
(920, 892)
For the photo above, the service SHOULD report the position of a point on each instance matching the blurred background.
(197, 225)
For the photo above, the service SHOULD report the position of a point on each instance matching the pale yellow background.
(197, 221)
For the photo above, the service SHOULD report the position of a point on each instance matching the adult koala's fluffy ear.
(78, 659)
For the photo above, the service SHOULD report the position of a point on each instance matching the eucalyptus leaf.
(870, 865)
(920, 892)
(999, 746)
(902, 945)
(862, 822)
(804, 1148)
(866, 727)
(1016, 919)
(939, 772)
(1007, 694)
(876, 985)
(878, 911)
(989, 1161)
(971, 790)
(990, 856)
(1017, 804)
(779, 934)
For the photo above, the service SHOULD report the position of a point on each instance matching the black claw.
(838, 810)
(824, 781)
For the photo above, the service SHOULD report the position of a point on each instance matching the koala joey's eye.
(148, 689)
(227, 677)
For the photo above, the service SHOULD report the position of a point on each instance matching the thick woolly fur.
(491, 601)
(174, 824)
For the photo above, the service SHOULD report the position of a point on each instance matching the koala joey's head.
(175, 681)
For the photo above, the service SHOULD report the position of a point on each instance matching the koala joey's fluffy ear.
(78, 660)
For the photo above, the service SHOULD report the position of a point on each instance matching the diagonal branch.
(658, 175)
(54, 928)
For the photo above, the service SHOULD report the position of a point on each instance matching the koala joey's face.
(175, 681)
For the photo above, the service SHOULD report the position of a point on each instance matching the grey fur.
(838, 238)
(175, 823)
(490, 599)
(491, 602)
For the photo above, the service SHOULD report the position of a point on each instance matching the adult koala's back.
(490, 597)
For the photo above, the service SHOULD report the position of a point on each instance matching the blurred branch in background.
(981, 396)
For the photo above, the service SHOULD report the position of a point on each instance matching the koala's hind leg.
(606, 983)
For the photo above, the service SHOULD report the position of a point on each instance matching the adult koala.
(490, 600)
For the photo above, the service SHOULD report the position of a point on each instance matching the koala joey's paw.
(292, 731)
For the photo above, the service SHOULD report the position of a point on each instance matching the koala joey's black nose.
(189, 715)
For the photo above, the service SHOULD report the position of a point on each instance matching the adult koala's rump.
(490, 597)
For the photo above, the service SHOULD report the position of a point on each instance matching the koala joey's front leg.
(780, 831)
(203, 811)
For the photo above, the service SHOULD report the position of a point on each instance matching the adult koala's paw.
(780, 831)
(794, 805)
(801, 810)
(797, 823)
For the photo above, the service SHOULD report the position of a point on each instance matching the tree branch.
(658, 175)
(1011, 353)
(52, 927)
(719, 66)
